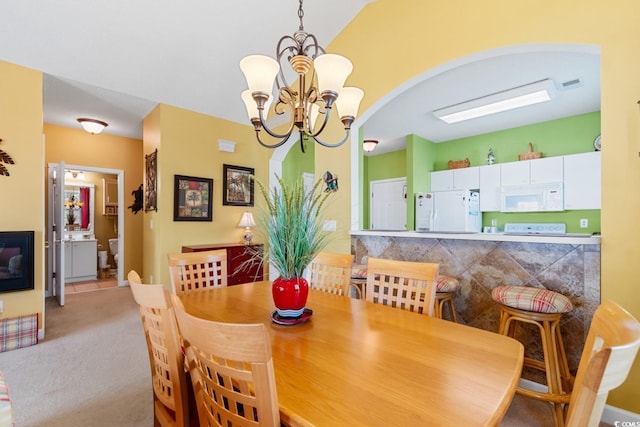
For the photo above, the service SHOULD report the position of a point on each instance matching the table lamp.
(247, 222)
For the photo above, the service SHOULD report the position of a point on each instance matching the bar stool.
(446, 288)
(359, 279)
(544, 309)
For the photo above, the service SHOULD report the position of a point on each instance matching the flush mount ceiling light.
(321, 78)
(369, 145)
(509, 99)
(92, 126)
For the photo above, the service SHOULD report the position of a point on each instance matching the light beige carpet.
(92, 369)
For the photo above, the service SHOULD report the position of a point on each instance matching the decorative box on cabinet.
(237, 254)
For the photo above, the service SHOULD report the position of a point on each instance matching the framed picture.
(151, 170)
(192, 198)
(237, 186)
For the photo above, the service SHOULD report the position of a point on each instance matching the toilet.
(113, 248)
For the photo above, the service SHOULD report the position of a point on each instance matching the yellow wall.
(426, 35)
(187, 144)
(79, 148)
(22, 192)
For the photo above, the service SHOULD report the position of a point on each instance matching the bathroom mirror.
(78, 208)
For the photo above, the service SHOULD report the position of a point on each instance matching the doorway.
(388, 204)
(57, 228)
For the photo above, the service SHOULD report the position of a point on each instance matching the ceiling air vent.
(571, 84)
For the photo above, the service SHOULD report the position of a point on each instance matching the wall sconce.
(92, 126)
(368, 145)
(247, 222)
(71, 175)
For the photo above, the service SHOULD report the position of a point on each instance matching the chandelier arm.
(332, 145)
(275, 145)
(327, 113)
(274, 134)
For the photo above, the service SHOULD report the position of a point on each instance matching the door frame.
(119, 173)
(371, 192)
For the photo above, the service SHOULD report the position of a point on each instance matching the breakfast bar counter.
(569, 264)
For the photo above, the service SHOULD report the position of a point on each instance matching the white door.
(56, 208)
(388, 204)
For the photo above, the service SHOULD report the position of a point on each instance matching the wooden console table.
(237, 254)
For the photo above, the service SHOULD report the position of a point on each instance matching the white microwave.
(548, 197)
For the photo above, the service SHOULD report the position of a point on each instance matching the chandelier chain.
(301, 15)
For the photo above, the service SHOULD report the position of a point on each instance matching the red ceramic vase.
(290, 296)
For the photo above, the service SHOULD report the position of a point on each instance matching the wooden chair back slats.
(193, 271)
(165, 354)
(610, 349)
(231, 371)
(403, 284)
(331, 273)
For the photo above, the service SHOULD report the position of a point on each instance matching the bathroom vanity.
(80, 260)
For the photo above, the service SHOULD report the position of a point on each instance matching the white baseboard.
(40, 334)
(610, 414)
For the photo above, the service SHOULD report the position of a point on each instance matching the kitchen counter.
(567, 263)
(563, 239)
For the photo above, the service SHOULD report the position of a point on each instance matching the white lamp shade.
(314, 112)
(348, 101)
(369, 145)
(260, 72)
(92, 126)
(332, 71)
(247, 220)
(252, 107)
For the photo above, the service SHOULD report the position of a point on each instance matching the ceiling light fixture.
(92, 126)
(328, 73)
(369, 145)
(509, 99)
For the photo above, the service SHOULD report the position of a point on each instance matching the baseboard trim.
(610, 414)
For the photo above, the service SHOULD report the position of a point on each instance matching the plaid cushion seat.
(359, 272)
(447, 284)
(532, 299)
(6, 414)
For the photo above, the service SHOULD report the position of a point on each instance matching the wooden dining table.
(358, 363)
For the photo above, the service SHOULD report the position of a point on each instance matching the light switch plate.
(584, 223)
(329, 225)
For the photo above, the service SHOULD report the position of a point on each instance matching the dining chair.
(194, 271)
(168, 377)
(610, 349)
(403, 284)
(231, 371)
(331, 273)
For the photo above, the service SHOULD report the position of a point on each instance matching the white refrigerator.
(456, 211)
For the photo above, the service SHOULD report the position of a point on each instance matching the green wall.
(570, 135)
(296, 162)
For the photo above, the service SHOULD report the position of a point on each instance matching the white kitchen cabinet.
(456, 179)
(537, 171)
(546, 170)
(80, 262)
(582, 181)
(514, 173)
(490, 188)
(442, 180)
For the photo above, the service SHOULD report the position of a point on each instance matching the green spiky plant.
(292, 226)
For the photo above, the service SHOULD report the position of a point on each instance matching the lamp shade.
(348, 101)
(92, 126)
(369, 145)
(332, 71)
(252, 107)
(247, 220)
(260, 72)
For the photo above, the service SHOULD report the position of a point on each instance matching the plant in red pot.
(292, 226)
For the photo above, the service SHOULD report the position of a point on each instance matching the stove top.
(552, 229)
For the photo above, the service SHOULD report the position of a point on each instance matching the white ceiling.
(115, 60)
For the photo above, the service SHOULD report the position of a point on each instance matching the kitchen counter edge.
(497, 237)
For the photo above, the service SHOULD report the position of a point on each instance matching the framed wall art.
(237, 186)
(192, 198)
(151, 172)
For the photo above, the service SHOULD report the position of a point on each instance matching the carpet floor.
(92, 369)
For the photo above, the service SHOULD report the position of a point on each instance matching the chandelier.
(310, 104)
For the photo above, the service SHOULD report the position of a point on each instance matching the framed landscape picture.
(237, 186)
(193, 199)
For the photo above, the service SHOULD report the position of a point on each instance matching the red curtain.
(85, 197)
